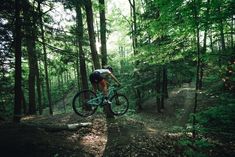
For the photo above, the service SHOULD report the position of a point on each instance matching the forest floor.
(144, 134)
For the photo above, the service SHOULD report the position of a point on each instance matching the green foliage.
(194, 148)
(219, 120)
(7, 99)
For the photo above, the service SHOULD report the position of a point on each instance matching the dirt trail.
(132, 135)
(178, 107)
(181, 103)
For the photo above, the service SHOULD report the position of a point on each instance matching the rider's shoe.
(106, 101)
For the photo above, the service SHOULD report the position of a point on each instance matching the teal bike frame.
(98, 101)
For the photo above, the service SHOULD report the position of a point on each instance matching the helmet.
(109, 68)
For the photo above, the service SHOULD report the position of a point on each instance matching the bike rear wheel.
(119, 104)
(81, 105)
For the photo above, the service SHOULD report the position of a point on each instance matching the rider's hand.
(117, 85)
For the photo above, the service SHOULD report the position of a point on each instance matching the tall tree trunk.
(40, 79)
(165, 82)
(30, 44)
(232, 31)
(91, 32)
(32, 70)
(39, 89)
(18, 69)
(83, 71)
(138, 100)
(45, 61)
(138, 94)
(158, 92)
(134, 25)
(104, 60)
(25, 107)
(77, 70)
(134, 44)
(162, 92)
(219, 54)
(211, 42)
(63, 92)
(221, 28)
(196, 12)
(204, 44)
(103, 33)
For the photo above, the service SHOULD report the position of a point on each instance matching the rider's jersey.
(103, 72)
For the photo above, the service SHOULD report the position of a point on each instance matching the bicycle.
(86, 102)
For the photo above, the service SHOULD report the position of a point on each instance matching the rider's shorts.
(96, 77)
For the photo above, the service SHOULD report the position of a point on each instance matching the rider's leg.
(103, 86)
(94, 77)
(94, 85)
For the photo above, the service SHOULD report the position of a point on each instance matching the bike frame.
(98, 100)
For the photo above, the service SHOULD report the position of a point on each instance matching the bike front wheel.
(82, 105)
(119, 104)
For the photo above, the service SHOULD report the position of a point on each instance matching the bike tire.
(80, 105)
(119, 104)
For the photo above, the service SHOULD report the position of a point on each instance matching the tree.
(164, 93)
(45, 58)
(91, 32)
(158, 92)
(18, 69)
(133, 25)
(196, 10)
(103, 33)
(206, 27)
(83, 71)
(30, 44)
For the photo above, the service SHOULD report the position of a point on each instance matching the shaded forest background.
(153, 46)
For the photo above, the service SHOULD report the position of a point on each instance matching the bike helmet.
(109, 68)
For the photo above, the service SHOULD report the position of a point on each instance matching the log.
(56, 128)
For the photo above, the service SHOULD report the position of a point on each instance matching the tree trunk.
(77, 70)
(232, 32)
(204, 44)
(164, 93)
(134, 26)
(18, 69)
(25, 107)
(138, 100)
(158, 93)
(83, 71)
(137, 91)
(104, 60)
(165, 82)
(30, 44)
(196, 12)
(63, 92)
(91, 32)
(221, 28)
(211, 42)
(45, 61)
(82, 67)
(103, 33)
(39, 89)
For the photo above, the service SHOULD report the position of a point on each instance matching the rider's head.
(109, 68)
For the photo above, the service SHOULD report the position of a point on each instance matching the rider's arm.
(115, 79)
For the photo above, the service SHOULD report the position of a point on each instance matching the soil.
(147, 133)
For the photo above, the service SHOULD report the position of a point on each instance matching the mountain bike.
(86, 102)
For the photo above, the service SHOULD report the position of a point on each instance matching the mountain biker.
(98, 79)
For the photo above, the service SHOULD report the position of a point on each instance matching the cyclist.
(98, 79)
